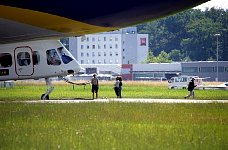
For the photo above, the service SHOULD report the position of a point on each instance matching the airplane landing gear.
(43, 97)
(49, 90)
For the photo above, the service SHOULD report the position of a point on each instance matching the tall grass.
(113, 126)
(141, 89)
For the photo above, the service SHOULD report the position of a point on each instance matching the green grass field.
(117, 126)
(33, 91)
(112, 125)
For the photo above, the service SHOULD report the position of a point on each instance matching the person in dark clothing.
(95, 85)
(191, 87)
(120, 87)
(117, 87)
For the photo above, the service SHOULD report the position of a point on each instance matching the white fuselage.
(35, 59)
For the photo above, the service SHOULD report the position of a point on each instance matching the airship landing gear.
(45, 96)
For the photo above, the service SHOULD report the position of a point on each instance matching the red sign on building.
(143, 41)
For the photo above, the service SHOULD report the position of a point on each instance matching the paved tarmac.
(124, 100)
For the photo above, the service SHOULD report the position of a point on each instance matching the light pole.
(216, 79)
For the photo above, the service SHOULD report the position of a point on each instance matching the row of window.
(23, 58)
(99, 54)
(204, 69)
(99, 46)
(147, 76)
(93, 39)
(100, 61)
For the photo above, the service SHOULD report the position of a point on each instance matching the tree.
(201, 34)
(163, 57)
(191, 32)
(175, 55)
(150, 57)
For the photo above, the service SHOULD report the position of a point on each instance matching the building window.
(87, 54)
(87, 61)
(220, 69)
(116, 38)
(212, 69)
(110, 53)
(5, 60)
(123, 57)
(110, 46)
(190, 69)
(123, 50)
(104, 61)
(158, 75)
(93, 47)
(87, 46)
(99, 61)
(99, 53)
(104, 38)
(206, 69)
(110, 39)
(82, 54)
(104, 46)
(116, 46)
(93, 61)
(117, 61)
(99, 38)
(116, 54)
(93, 39)
(93, 54)
(225, 69)
(99, 47)
(87, 39)
(110, 61)
(82, 61)
(104, 53)
(82, 46)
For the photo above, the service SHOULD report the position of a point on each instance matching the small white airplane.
(35, 60)
(23, 55)
(181, 82)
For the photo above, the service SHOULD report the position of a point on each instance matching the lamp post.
(216, 79)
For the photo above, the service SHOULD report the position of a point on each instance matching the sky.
(214, 3)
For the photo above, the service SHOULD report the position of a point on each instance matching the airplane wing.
(22, 20)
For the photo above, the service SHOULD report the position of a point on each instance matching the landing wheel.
(43, 97)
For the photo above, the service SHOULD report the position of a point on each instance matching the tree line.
(188, 36)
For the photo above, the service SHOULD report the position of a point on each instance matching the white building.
(123, 46)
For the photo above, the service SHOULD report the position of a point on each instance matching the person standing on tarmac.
(117, 87)
(95, 85)
(120, 87)
(191, 87)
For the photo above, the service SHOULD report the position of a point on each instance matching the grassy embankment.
(113, 126)
(33, 91)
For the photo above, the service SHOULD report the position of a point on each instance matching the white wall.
(129, 48)
(73, 46)
(142, 48)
